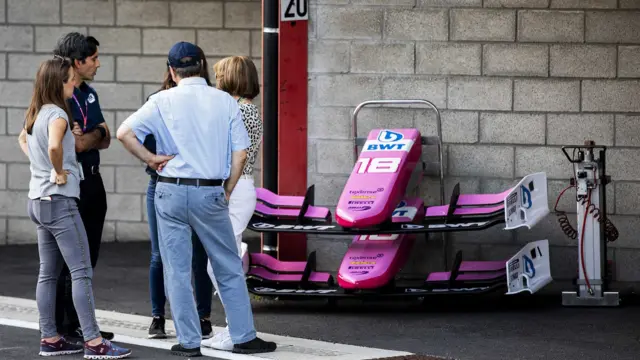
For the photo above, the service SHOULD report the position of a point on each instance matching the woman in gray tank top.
(54, 188)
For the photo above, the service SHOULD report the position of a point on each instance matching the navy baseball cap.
(183, 50)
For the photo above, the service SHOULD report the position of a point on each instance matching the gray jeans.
(62, 238)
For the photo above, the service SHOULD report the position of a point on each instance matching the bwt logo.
(374, 147)
(389, 136)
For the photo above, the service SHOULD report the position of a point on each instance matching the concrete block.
(329, 123)
(125, 207)
(611, 95)
(121, 116)
(159, 41)
(430, 188)
(481, 160)
(449, 3)
(512, 128)
(3, 18)
(626, 226)
(546, 95)
(256, 45)
(131, 231)
(613, 27)
(622, 164)
(515, 60)
(88, 12)
(516, 3)
(629, 61)
(16, 38)
(329, 252)
(25, 66)
(141, 68)
(119, 96)
(626, 260)
(328, 56)
(627, 130)
(414, 24)
(224, 42)
(382, 58)
(312, 157)
(433, 89)
(21, 231)
(349, 23)
(15, 120)
(331, 89)
(567, 202)
(13, 203)
(10, 150)
(457, 126)
(142, 13)
(627, 198)
(18, 175)
(333, 156)
(390, 3)
(109, 232)
(575, 129)
(131, 179)
(197, 14)
(47, 36)
(108, 176)
(15, 93)
(328, 188)
(3, 121)
(483, 24)
(3, 66)
(244, 15)
(629, 4)
(150, 89)
(550, 26)
(33, 11)
(583, 61)
(117, 40)
(548, 159)
(377, 118)
(106, 73)
(3, 231)
(448, 58)
(584, 4)
(116, 154)
(3, 176)
(476, 93)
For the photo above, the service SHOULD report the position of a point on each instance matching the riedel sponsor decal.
(294, 291)
(262, 225)
(456, 226)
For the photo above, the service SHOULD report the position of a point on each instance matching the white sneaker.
(220, 341)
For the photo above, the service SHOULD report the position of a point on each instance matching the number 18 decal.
(378, 165)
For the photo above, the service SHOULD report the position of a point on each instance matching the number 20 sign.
(294, 10)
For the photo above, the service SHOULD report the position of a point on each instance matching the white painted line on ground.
(132, 329)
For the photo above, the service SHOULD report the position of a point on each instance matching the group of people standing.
(199, 142)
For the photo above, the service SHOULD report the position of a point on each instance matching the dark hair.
(48, 88)
(202, 70)
(76, 46)
(238, 76)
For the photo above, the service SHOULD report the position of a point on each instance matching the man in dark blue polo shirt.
(91, 134)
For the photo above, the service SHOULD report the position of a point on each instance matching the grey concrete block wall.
(135, 37)
(514, 80)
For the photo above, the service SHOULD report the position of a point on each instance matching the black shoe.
(207, 331)
(254, 346)
(156, 330)
(179, 350)
(76, 336)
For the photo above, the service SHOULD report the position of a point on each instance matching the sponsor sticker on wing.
(388, 141)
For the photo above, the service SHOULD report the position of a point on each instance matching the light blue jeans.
(180, 210)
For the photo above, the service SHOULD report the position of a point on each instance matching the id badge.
(80, 171)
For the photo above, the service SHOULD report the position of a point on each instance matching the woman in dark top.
(203, 284)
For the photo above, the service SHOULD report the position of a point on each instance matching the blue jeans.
(181, 211)
(203, 284)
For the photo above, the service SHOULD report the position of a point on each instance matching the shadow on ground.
(475, 328)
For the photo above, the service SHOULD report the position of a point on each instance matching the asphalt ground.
(491, 328)
(23, 344)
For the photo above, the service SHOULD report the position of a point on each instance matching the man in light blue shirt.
(200, 142)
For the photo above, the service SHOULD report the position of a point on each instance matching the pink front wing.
(379, 178)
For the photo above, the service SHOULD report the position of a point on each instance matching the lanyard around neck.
(84, 113)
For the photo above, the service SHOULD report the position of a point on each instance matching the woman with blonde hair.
(238, 76)
(54, 192)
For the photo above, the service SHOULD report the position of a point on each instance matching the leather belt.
(188, 181)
